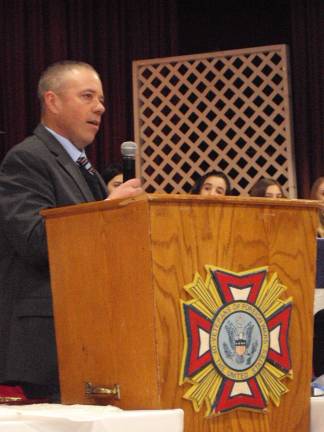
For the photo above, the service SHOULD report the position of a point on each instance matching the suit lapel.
(64, 160)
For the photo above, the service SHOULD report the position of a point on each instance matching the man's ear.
(52, 102)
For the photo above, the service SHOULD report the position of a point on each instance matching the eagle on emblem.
(240, 348)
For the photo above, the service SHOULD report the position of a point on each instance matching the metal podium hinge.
(103, 391)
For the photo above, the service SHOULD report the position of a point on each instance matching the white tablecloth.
(87, 418)
(317, 414)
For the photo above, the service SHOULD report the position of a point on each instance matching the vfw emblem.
(236, 352)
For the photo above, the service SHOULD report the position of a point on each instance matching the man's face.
(79, 106)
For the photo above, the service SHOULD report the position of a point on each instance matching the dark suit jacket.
(35, 174)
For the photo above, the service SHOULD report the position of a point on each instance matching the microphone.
(128, 151)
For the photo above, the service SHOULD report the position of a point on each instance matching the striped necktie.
(83, 162)
(91, 177)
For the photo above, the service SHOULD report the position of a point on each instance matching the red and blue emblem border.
(208, 384)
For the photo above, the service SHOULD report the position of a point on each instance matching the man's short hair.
(53, 77)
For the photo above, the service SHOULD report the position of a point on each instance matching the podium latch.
(102, 391)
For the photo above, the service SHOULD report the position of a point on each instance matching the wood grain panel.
(103, 303)
(118, 270)
(185, 237)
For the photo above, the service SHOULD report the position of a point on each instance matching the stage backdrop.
(111, 34)
(107, 34)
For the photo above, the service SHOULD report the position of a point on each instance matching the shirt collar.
(73, 151)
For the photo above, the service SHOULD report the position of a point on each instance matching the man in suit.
(43, 172)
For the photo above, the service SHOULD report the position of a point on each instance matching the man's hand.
(130, 188)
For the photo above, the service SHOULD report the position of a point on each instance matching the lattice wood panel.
(225, 110)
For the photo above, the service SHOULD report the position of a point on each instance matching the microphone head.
(128, 149)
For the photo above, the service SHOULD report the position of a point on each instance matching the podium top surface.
(178, 199)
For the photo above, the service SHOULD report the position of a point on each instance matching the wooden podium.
(118, 270)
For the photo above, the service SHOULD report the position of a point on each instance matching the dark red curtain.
(107, 34)
(307, 18)
(111, 33)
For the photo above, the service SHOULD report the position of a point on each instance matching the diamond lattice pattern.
(227, 111)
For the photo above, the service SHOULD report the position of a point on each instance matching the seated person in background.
(267, 188)
(317, 193)
(113, 176)
(214, 183)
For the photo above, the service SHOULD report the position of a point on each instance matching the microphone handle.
(128, 168)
